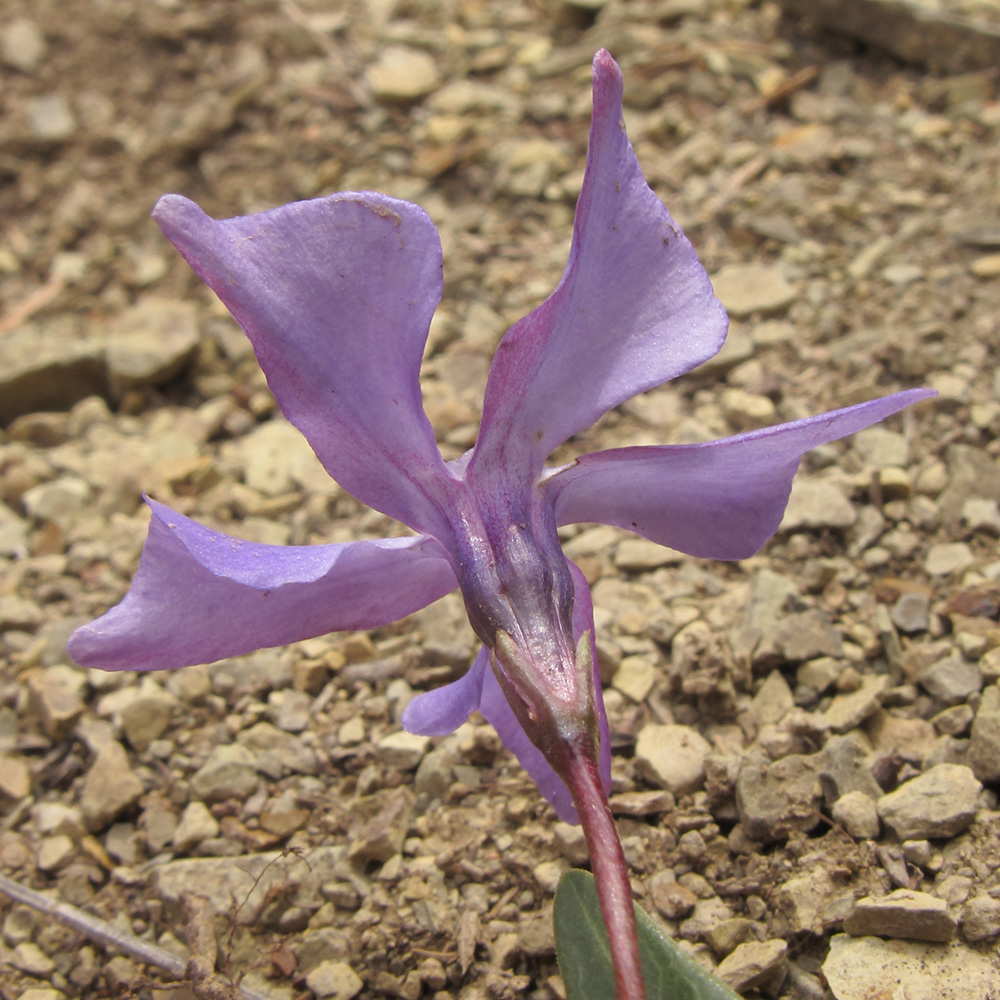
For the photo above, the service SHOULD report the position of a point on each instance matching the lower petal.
(200, 595)
(720, 500)
(442, 710)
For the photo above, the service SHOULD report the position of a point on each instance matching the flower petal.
(634, 307)
(499, 714)
(200, 595)
(336, 295)
(720, 500)
(444, 709)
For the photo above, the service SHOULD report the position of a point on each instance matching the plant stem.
(610, 873)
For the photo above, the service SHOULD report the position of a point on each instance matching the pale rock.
(848, 711)
(867, 967)
(47, 368)
(984, 745)
(55, 696)
(805, 635)
(634, 678)
(816, 505)
(640, 555)
(276, 752)
(150, 343)
(939, 803)
(672, 757)
(61, 501)
(57, 817)
(981, 918)
(22, 45)
(844, 767)
(196, 824)
(403, 74)
(954, 889)
(230, 771)
(946, 558)
(802, 904)
(759, 965)
(28, 957)
(747, 411)
(378, 824)
(951, 680)
(110, 787)
(772, 701)
(879, 447)
(401, 750)
(19, 613)
(146, 715)
(903, 913)
(277, 459)
(54, 852)
(15, 778)
(13, 534)
(50, 118)
(982, 515)
(775, 798)
(857, 814)
(351, 732)
(911, 612)
(745, 289)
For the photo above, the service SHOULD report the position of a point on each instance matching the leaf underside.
(584, 953)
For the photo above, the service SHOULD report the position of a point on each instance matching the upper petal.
(633, 309)
(336, 295)
(200, 595)
(720, 500)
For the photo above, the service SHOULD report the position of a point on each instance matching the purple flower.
(336, 295)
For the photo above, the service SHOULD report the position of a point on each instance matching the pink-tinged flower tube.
(336, 295)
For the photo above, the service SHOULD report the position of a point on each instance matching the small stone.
(230, 771)
(759, 965)
(981, 918)
(903, 913)
(775, 798)
(982, 515)
(745, 289)
(951, 680)
(146, 716)
(334, 980)
(672, 757)
(857, 814)
(22, 45)
(61, 501)
(28, 957)
(15, 778)
(50, 119)
(352, 732)
(806, 636)
(987, 266)
(911, 612)
(848, 711)
(954, 889)
(984, 745)
(402, 751)
(403, 74)
(946, 558)
(379, 823)
(634, 678)
(151, 343)
(640, 555)
(939, 803)
(772, 702)
(110, 787)
(55, 696)
(954, 721)
(673, 900)
(196, 824)
(816, 505)
(867, 967)
(54, 852)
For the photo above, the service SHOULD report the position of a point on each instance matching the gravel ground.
(807, 743)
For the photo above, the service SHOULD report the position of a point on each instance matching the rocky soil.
(807, 743)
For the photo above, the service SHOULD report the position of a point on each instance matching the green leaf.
(584, 953)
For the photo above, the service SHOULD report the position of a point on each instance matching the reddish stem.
(610, 873)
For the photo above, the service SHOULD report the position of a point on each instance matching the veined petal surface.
(500, 715)
(200, 595)
(336, 295)
(720, 500)
(634, 308)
